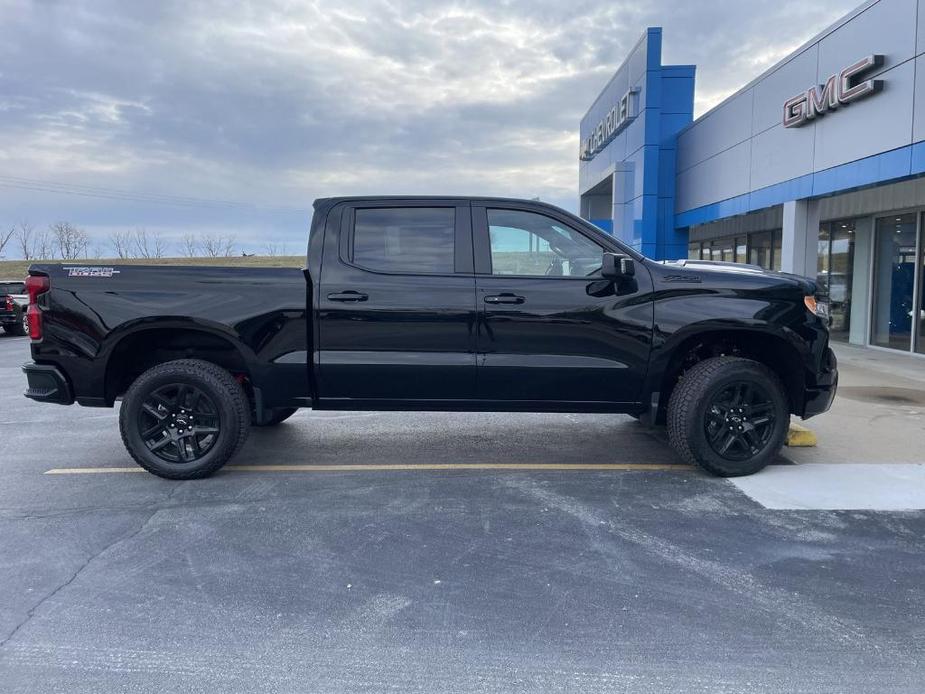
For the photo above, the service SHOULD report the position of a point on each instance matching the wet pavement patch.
(885, 395)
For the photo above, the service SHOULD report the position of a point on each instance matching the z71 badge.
(91, 271)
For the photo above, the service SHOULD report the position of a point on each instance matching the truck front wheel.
(729, 416)
(184, 419)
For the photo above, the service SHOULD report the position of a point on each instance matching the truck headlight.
(820, 307)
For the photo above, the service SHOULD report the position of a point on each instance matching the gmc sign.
(839, 90)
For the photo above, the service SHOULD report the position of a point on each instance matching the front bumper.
(47, 384)
(818, 399)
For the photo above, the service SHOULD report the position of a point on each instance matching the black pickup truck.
(425, 303)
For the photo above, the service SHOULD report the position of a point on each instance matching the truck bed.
(95, 313)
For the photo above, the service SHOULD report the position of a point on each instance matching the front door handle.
(504, 299)
(347, 296)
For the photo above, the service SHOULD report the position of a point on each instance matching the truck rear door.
(397, 305)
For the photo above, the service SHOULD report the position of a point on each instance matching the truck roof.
(399, 198)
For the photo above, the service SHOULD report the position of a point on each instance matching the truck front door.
(397, 305)
(551, 329)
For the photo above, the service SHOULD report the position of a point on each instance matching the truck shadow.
(403, 438)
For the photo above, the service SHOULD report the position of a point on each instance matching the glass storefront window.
(759, 251)
(760, 248)
(894, 279)
(722, 249)
(841, 268)
(834, 273)
(741, 244)
(822, 264)
(776, 239)
(920, 309)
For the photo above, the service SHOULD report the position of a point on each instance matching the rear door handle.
(504, 299)
(347, 296)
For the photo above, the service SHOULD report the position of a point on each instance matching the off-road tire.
(693, 395)
(228, 397)
(274, 416)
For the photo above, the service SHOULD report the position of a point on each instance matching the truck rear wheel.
(184, 419)
(729, 416)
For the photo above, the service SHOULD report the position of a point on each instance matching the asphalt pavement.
(653, 577)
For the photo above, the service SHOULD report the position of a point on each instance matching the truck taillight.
(35, 286)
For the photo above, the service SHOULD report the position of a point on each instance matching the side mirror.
(616, 267)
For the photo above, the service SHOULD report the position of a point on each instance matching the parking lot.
(404, 552)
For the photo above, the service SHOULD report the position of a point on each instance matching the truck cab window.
(405, 239)
(527, 243)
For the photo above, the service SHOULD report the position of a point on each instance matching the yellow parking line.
(564, 467)
(90, 470)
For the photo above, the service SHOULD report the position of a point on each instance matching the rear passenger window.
(405, 239)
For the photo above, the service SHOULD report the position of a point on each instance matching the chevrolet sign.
(611, 125)
(839, 90)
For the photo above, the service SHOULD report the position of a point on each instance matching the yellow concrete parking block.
(799, 436)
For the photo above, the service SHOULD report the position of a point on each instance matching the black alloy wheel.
(179, 423)
(729, 415)
(740, 420)
(184, 419)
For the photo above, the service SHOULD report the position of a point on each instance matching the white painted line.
(838, 486)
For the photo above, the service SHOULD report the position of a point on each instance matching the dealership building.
(814, 167)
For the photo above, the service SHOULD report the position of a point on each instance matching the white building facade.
(815, 167)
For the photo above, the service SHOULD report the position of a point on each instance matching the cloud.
(277, 102)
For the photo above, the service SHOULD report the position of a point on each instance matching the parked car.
(13, 304)
(449, 304)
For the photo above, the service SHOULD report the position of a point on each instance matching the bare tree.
(5, 237)
(274, 249)
(218, 246)
(43, 245)
(148, 244)
(71, 242)
(25, 237)
(121, 243)
(190, 246)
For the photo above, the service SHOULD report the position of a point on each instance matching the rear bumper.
(47, 384)
(818, 399)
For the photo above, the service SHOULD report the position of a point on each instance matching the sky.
(240, 113)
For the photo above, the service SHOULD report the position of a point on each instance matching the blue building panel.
(667, 158)
(918, 159)
(628, 141)
(870, 171)
(678, 96)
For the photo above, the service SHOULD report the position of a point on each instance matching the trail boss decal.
(91, 271)
(839, 90)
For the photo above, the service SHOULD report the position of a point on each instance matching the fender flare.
(666, 352)
(135, 327)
